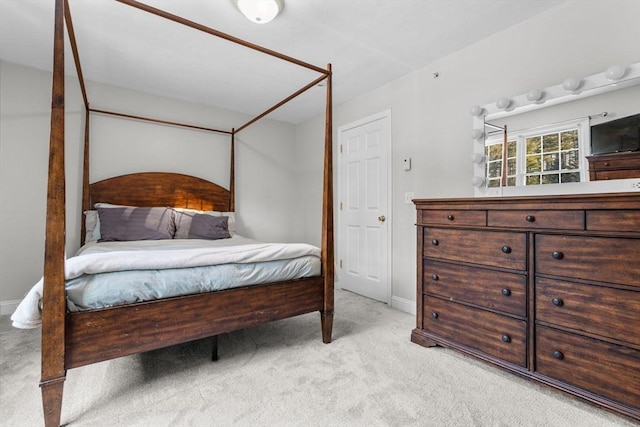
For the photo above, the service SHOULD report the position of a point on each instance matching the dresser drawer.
(617, 220)
(609, 370)
(604, 259)
(615, 161)
(534, 219)
(604, 175)
(494, 248)
(453, 217)
(598, 310)
(487, 288)
(493, 334)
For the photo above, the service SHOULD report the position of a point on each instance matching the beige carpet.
(282, 375)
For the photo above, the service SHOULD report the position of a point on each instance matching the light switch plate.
(408, 197)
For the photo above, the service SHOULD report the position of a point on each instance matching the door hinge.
(340, 148)
(340, 263)
(340, 205)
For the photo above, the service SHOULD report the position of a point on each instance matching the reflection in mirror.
(540, 142)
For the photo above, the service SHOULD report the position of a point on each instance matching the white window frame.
(520, 136)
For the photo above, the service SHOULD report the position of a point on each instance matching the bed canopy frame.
(58, 352)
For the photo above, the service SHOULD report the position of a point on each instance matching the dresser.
(545, 287)
(614, 166)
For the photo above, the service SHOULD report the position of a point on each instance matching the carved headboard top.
(161, 189)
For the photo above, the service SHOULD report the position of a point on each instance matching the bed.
(76, 338)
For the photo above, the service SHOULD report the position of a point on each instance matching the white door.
(364, 214)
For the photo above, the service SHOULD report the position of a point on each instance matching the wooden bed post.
(232, 173)
(53, 315)
(86, 202)
(327, 218)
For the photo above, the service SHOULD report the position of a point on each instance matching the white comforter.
(180, 254)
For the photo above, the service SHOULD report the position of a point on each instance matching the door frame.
(383, 115)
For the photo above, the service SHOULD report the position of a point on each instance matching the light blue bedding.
(91, 291)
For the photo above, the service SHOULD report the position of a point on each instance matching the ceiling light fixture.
(260, 11)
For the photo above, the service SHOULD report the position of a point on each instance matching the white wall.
(25, 104)
(265, 174)
(431, 122)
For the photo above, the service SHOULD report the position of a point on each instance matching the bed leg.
(214, 349)
(52, 401)
(326, 318)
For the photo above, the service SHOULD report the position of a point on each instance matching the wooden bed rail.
(74, 48)
(220, 34)
(284, 101)
(159, 121)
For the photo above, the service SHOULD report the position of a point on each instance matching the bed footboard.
(98, 335)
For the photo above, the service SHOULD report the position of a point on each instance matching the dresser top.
(571, 201)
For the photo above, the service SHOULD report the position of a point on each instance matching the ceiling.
(368, 42)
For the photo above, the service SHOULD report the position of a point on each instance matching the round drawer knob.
(557, 255)
(506, 249)
(434, 315)
(450, 217)
(558, 354)
(506, 292)
(434, 277)
(435, 242)
(506, 338)
(557, 302)
(530, 218)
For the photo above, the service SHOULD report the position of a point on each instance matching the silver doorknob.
(382, 218)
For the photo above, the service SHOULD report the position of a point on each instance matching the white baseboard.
(398, 303)
(8, 307)
(405, 305)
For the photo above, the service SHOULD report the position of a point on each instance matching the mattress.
(109, 274)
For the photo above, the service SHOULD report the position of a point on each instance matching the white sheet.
(160, 262)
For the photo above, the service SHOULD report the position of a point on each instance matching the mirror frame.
(561, 93)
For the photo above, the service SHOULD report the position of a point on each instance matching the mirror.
(549, 136)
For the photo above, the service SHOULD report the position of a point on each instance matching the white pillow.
(91, 226)
(109, 205)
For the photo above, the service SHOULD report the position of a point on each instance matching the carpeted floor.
(282, 375)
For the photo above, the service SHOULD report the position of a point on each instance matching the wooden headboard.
(161, 189)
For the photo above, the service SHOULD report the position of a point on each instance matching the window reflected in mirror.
(544, 155)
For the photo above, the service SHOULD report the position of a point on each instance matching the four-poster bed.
(74, 339)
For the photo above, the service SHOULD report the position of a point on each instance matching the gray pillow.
(209, 227)
(130, 223)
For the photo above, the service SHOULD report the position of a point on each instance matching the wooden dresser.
(545, 287)
(614, 166)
